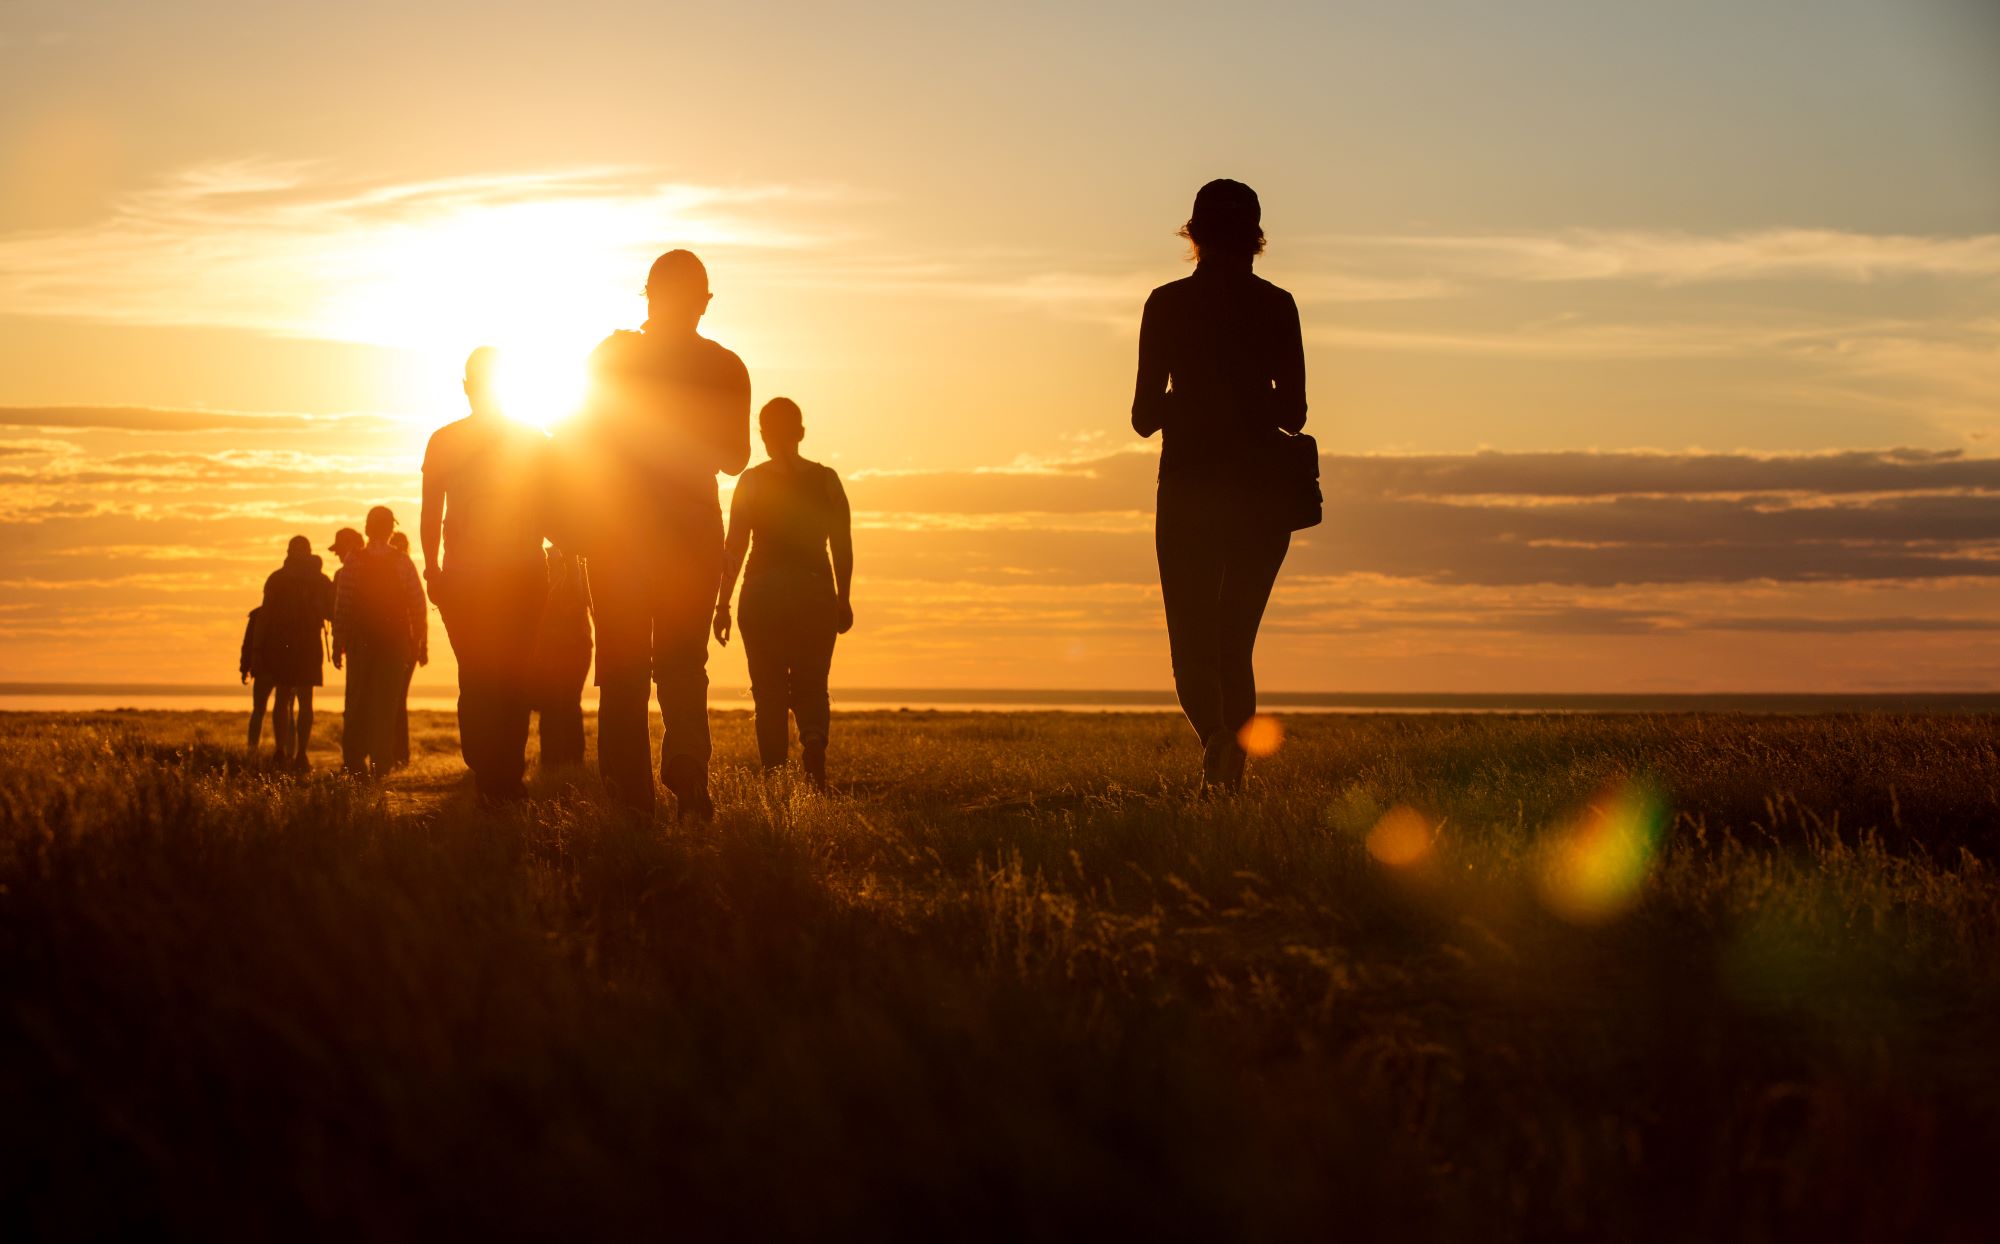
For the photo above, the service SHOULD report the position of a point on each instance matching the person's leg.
(353, 696)
(684, 605)
(1254, 560)
(357, 732)
(304, 725)
(620, 609)
(376, 673)
(560, 703)
(812, 662)
(764, 652)
(281, 726)
(466, 613)
(1191, 570)
(522, 593)
(402, 740)
(260, 696)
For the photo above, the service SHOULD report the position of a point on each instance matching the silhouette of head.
(782, 425)
(676, 291)
(1227, 222)
(481, 369)
(298, 546)
(346, 543)
(400, 541)
(381, 521)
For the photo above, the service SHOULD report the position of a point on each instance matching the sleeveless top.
(791, 515)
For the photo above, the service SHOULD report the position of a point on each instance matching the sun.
(541, 387)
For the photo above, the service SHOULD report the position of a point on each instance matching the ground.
(1442, 977)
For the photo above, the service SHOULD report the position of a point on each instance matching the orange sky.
(1650, 350)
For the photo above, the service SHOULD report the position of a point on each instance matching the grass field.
(1429, 977)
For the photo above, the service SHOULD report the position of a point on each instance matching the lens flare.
(1260, 736)
(1593, 869)
(1401, 839)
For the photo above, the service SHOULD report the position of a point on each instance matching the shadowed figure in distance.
(1222, 378)
(284, 647)
(485, 480)
(786, 514)
(379, 625)
(667, 409)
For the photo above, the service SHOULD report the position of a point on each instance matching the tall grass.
(1014, 978)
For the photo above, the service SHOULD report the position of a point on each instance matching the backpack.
(378, 617)
(291, 614)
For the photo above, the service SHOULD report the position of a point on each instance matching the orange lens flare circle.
(1260, 736)
(1401, 839)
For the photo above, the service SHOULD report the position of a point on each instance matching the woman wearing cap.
(1221, 376)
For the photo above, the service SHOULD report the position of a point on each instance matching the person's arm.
(430, 525)
(419, 611)
(733, 435)
(342, 605)
(1149, 397)
(840, 537)
(249, 640)
(734, 546)
(1288, 385)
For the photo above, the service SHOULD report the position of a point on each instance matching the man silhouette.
(298, 603)
(378, 625)
(668, 409)
(483, 486)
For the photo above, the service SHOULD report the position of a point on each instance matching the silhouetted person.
(562, 662)
(260, 690)
(378, 626)
(484, 480)
(668, 409)
(400, 746)
(1221, 375)
(785, 514)
(298, 603)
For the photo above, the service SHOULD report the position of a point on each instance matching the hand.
(336, 660)
(844, 613)
(424, 655)
(721, 625)
(246, 678)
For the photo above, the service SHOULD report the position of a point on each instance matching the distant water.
(190, 697)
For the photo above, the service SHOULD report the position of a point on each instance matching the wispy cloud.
(1677, 258)
(293, 248)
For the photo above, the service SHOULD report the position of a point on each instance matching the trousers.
(789, 629)
(491, 615)
(1219, 556)
(560, 676)
(651, 611)
(368, 725)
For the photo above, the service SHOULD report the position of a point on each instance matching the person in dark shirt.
(298, 603)
(1222, 378)
(484, 482)
(667, 410)
(786, 514)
